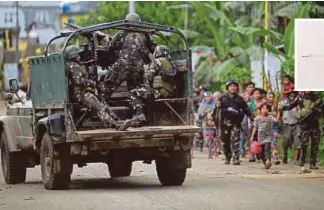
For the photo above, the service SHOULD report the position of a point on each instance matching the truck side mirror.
(14, 86)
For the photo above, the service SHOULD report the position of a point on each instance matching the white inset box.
(309, 54)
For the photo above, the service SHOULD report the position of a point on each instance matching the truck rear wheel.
(56, 170)
(12, 169)
(168, 177)
(172, 170)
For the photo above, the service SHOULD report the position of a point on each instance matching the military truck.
(50, 130)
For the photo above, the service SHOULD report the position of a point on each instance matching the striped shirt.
(264, 127)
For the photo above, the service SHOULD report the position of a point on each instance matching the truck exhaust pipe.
(162, 148)
(104, 151)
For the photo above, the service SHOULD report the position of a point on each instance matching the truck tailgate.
(139, 131)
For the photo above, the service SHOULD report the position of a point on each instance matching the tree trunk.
(241, 90)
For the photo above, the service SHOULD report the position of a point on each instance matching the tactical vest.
(164, 83)
(234, 103)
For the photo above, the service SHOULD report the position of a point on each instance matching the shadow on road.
(113, 184)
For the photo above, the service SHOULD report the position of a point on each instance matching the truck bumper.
(162, 137)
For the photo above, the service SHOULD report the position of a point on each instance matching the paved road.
(209, 185)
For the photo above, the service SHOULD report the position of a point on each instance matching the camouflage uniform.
(228, 114)
(161, 73)
(83, 89)
(309, 126)
(133, 54)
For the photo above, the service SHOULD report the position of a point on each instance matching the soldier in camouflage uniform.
(228, 116)
(309, 125)
(132, 50)
(161, 73)
(83, 89)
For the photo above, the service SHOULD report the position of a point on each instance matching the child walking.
(263, 125)
(209, 130)
(274, 110)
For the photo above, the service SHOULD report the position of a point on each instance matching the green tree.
(235, 44)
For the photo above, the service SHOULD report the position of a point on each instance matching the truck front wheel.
(13, 170)
(55, 165)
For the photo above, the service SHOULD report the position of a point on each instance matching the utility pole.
(186, 8)
(17, 32)
(131, 7)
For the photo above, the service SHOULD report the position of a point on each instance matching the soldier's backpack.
(164, 82)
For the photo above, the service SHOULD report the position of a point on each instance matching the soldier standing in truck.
(83, 90)
(133, 52)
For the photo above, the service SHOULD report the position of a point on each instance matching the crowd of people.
(247, 124)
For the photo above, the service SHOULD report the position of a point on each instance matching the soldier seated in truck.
(160, 74)
(83, 90)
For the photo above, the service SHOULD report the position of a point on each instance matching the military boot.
(227, 160)
(313, 166)
(106, 118)
(139, 114)
(236, 161)
(126, 124)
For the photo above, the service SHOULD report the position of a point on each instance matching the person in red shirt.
(287, 87)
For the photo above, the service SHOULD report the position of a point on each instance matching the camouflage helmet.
(229, 82)
(133, 17)
(161, 51)
(72, 51)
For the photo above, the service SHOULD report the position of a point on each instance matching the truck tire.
(172, 170)
(54, 180)
(11, 163)
(171, 177)
(120, 169)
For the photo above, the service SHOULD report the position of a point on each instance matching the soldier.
(133, 52)
(161, 74)
(309, 105)
(83, 89)
(228, 115)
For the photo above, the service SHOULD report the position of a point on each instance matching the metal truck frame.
(44, 130)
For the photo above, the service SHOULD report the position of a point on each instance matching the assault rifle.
(319, 105)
